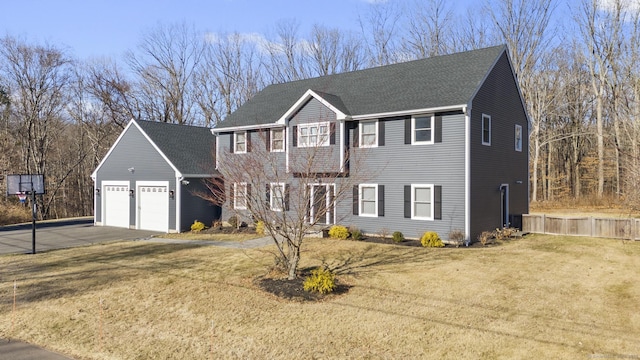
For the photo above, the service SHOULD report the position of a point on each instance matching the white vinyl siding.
(368, 133)
(422, 130)
(422, 202)
(486, 129)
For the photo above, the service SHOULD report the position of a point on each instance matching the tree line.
(578, 74)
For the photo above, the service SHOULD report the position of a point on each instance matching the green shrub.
(398, 237)
(431, 239)
(356, 234)
(197, 226)
(456, 237)
(260, 227)
(322, 281)
(233, 221)
(339, 232)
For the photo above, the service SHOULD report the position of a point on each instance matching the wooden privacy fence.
(582, 226)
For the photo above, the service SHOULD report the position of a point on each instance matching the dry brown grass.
(212, 237)
(14, 213)
(538, 297)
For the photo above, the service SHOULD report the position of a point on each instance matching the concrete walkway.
(247, 244)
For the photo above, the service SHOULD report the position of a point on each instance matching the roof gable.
(441, 81)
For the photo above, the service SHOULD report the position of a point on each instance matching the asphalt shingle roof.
(190, 149)
(433, 82)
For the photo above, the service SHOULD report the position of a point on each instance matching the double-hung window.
(422, 129)
(368, 200)
(486, 129)
(277, 198)
(316, 134)
(240, 196)
(277, 140)
(422, 202)
(240, 142)
(518, 137)
(368, 133)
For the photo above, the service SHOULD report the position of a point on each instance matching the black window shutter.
(380, 133)
(248, 197)
(286, 197)
(248, 139)
(356, 134)
(407, 131)
(407, 201)
(332, 133)
(232, 195)
(437, 202)
(355, 200)
(437, 124)
(267, 139)
(380, 200)
(231, 140)
(294, 134)
(267, 198)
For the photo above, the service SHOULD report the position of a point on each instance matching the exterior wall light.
(98, 192)
(172, 195)
(131, 192)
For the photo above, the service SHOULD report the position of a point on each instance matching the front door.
(322, 204)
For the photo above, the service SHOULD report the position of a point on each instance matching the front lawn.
(536, 297)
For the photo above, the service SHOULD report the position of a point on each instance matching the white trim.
(413, 194)
(178, 201)
(413, 129)
(235, 196)
(326, 199)
(244, 128)
(342, 145)
(137, 196)
(408, 112)
(485, 116)
(467, 174)
(271, 139)
(375, 187)
(361, 133)
(103, 204)
(217, 139)
(271, 198)
(235, 142)
(303, 99)
(518, 148)
(287, 147)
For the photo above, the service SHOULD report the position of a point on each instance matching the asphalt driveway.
(63, 234)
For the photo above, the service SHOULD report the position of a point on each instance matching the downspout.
(467, 172)
(178, 201)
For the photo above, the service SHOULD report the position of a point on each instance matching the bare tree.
(166, 61)
(429, 29)
(286, 61)
(380, 27)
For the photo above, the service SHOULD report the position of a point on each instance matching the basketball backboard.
(25, 183)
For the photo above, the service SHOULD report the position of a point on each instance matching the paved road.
(18, 350)
(63, 234)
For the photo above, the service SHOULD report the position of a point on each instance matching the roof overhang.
(245, 127)
(303, 100)
(436, 109)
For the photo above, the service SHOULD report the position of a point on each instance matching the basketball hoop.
(22, 196)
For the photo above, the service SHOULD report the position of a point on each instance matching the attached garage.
(151, 177)
(116, 203)
(153, 205)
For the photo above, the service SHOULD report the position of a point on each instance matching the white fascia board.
(95, 172)
(409, 112)
(467, 172)
(303, 99)
(194, 176)
(245, 127)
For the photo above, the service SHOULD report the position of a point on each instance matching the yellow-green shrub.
(339, 232)
(197, 226)
(398, 237)
(322, 281)
(431, 239)
(260, 227)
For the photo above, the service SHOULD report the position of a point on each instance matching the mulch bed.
(293, 289)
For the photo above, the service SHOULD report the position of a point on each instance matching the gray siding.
(397, 164)
(135, 151)
(194, 207)
(499, 163)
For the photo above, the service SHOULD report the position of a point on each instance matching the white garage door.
(153, 207)
(116, 205)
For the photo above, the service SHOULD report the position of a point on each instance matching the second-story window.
(422, 127)
(316, 134)
(277, 140)
(368, 133)
(240, 142)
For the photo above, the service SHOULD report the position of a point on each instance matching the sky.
(108, 28)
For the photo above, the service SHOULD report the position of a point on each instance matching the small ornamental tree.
(294, 191)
